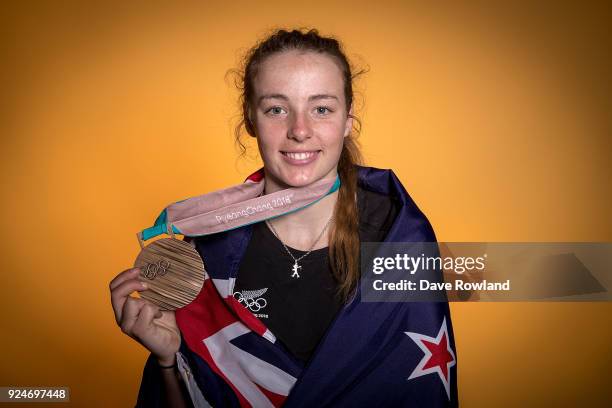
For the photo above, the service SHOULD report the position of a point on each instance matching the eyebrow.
(284, 97)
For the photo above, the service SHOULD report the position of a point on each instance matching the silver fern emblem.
(253, 294)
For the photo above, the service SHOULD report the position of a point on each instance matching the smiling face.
(300, 118)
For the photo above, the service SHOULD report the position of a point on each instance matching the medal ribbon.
(235, 207)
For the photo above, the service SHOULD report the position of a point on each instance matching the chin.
(289, 176)
(300, 179)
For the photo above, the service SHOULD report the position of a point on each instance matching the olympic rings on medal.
(160, 268)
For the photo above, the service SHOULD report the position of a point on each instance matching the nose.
(299, 128)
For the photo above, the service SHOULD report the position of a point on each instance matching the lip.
(312, 155)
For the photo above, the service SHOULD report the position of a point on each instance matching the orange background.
(496, 118)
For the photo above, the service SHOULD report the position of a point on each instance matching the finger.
(128, 287)
(145, 319)
(123, 276)
(120, 294)
(130, 313)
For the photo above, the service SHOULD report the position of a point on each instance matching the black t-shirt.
(298, 311)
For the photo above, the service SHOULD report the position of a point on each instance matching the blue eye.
(323, 110)
(275, 110)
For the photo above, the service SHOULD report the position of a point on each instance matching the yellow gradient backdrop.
(496, 118)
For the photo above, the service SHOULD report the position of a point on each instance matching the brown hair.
(344, 233)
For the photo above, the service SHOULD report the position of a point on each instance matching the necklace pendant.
(295, 269)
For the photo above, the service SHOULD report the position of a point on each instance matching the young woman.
(280, 319)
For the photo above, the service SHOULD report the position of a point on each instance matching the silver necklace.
(296, 267)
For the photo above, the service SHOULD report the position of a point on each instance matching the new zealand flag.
(374, 354)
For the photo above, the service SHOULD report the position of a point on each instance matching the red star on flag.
(439, 356)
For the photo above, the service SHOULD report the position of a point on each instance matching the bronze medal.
(173, 270)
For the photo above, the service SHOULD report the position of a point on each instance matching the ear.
(348, 126)
(250, 118)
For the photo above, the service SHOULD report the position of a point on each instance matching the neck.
(300, 229)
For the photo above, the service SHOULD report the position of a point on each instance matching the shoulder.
(383, 201)
(377, 212)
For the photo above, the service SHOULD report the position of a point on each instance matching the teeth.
(299, 156)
